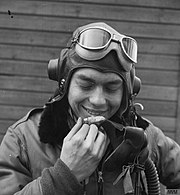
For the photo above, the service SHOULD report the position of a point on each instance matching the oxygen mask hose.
(152, 178)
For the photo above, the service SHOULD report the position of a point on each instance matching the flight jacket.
(29, 166)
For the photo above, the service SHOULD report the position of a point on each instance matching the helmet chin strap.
(62, 86)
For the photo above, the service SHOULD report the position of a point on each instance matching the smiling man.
(88, 138)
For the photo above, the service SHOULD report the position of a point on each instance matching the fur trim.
(53, 125)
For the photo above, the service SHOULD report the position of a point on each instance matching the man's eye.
(86, 86)
(112, 88)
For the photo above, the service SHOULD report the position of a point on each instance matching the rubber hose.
(152, 178)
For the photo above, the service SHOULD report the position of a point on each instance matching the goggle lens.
(130, 48)
(94, 38)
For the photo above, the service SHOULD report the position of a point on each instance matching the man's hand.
(83, 148)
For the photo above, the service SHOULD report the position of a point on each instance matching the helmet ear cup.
(135, 82)
(53, 68)
(137, 85)
(56, 66)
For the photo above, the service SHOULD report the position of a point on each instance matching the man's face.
(93, 93)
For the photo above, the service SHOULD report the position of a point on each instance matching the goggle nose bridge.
(117, 38)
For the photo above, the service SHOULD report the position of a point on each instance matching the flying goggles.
(95, 42)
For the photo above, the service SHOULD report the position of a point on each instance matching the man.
(64, 148)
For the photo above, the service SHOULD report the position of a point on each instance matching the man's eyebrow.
(85, 78)
(115, 82)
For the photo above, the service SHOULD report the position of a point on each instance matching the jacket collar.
(53, 126)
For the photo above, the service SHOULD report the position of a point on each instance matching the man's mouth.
(94, 112)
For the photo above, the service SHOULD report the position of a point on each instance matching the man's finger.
(83, 132)
(75, 129)
(93, 131)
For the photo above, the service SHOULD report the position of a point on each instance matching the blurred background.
(32, 32)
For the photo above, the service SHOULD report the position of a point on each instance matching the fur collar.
(53, 126)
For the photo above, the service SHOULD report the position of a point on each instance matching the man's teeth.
(93, 113)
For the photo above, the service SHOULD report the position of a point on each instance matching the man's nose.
(97, 97)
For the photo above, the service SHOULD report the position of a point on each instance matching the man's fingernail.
(79, 120)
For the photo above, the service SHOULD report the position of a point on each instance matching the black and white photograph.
(89, 97)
